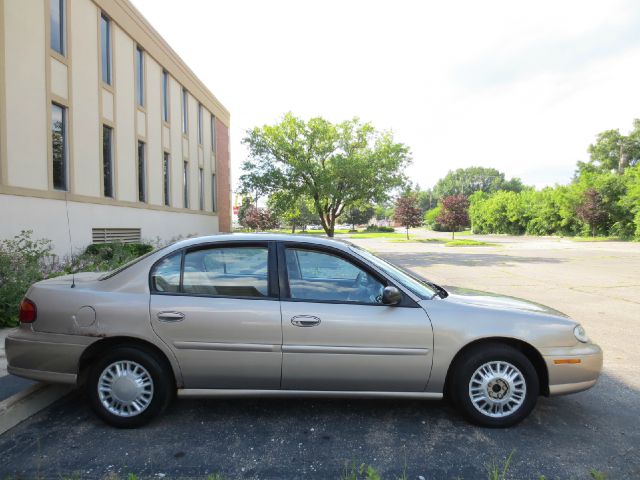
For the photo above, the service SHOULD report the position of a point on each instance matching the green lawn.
(468, 243)
(594, 239)
(379, 235)
(420, 240)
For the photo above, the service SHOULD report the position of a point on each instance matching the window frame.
(105, 45)
(212, 127)
(214, 192)
(185, 111)
(166, 178)
(141, 168)
(61, 32)
(185, 184)
(200, 125)
(110, 161)
(65, 147)
(283, 276)
(139, 76)
(165, 97)
(273, 287)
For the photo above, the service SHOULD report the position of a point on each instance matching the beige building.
(105, 133)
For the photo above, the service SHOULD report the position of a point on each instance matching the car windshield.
(416, 286)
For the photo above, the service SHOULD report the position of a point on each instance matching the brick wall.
(223, 176)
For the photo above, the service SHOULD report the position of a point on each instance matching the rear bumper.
(43, 376)
(45, 357)
(573, 369)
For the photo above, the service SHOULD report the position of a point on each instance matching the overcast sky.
(522, 87)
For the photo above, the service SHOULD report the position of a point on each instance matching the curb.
(28, 402)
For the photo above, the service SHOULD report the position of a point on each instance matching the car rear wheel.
(128, 386)
(495, 385)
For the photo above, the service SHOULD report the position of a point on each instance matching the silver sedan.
(283, 315)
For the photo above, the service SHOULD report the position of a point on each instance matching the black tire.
(480, 355)
(162, 384)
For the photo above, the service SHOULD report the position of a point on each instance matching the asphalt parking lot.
(565, 437)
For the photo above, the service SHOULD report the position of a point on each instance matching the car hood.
(479, 298)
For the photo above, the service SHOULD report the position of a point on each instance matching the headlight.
(580, 334)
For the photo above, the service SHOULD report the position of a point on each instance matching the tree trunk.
(407, 233)
(453, 235)
(624, 161)
(293, 228)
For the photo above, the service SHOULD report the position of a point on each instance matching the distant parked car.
(285, 315)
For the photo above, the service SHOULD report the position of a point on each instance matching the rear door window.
(227, 271)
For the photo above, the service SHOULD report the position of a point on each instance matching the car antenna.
(66, 207)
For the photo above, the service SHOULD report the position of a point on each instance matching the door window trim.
(273, 292)
(283, 277)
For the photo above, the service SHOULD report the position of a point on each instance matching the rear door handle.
(305, 321)
(171, 316)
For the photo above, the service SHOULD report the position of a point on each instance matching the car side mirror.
(391, 296)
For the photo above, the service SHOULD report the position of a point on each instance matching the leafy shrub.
(24, 261)
(430, 219)
(377, 229)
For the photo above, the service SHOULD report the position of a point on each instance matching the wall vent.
(108, 235)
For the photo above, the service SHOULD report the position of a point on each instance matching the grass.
(378, 235)
(594, 239)
(467, 242)
(495, 470)
(420, 240)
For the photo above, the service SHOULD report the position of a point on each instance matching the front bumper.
(572, 369)
(45, 357)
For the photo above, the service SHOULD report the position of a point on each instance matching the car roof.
(253, 237)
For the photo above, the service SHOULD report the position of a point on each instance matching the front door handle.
(305, 321)
(171, 316)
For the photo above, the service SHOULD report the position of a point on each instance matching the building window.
(107, 160)
(200, 124)
(201, 181)
(213, 192)
(105, 44)
(59, 146)
(57, 25)
(213, 134)
(140, 76)
(165, 96)
(142, 194)
(185, 111)
(166, 179)
(185, 183)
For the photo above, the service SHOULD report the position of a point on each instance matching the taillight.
(28, 311)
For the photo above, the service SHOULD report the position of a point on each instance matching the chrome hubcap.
(125, 388)
(497, 389)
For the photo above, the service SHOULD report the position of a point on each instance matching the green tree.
(466, 181)
(247, 202)
(358, 215)
(613, 151)
(334, 165)
(293, 211)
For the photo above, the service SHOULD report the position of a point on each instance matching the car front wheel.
(495, 385)
(128, 387)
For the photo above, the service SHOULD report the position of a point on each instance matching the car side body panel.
(356, 347)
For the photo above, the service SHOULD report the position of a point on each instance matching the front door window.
(321, 276)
